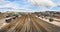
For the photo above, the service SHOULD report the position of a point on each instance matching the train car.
(14, 18)
(8, 20)
(7, 16)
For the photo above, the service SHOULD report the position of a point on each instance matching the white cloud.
(6, 5)
(2, 0)
(45, 3)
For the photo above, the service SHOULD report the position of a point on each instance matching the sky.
(29, 5)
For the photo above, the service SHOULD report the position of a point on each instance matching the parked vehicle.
(50, 19)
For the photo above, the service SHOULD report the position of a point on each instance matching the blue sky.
(29, 5)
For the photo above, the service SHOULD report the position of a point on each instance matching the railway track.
(37, 25)
(47, 26)
(29, 23)
(10, 25)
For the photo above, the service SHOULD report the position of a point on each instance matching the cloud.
(8, 6)
(13, 6)
(26, 5)
(45, 3)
